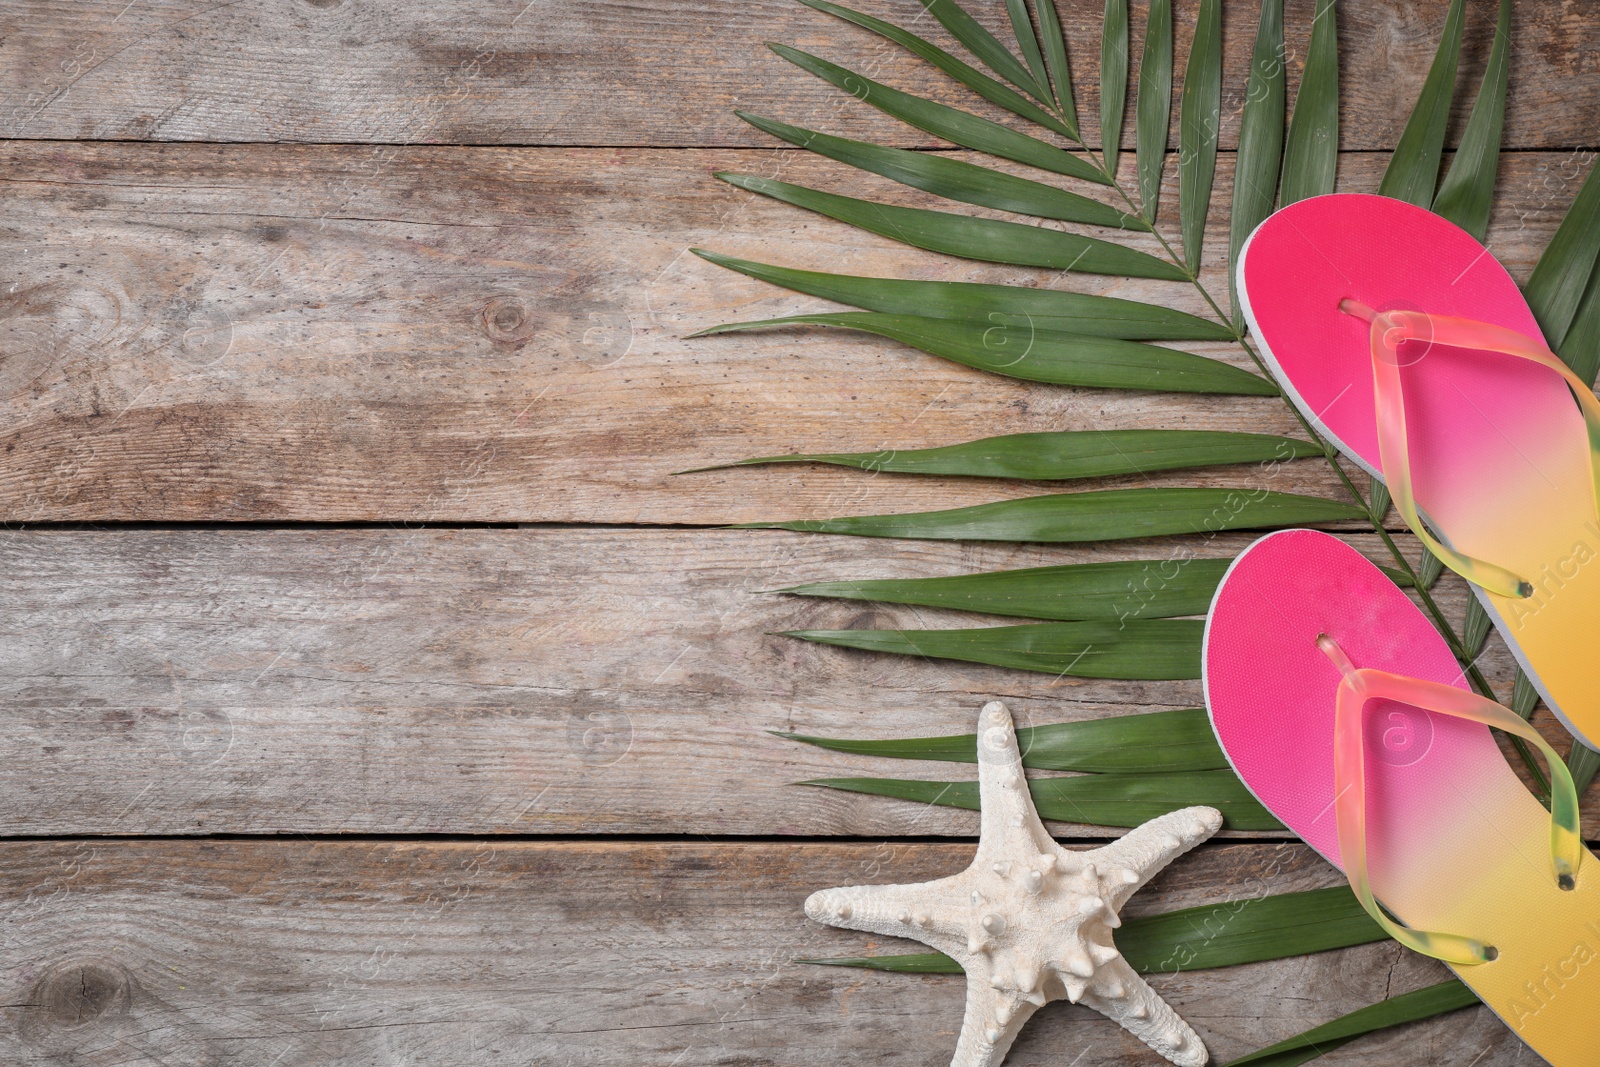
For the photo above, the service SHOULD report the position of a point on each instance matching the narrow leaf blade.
(1419, 1004)
(995, 92)
(1260, 157)
(1130, 589)
(1413, 170)
(1467, 193)
(1562, 276)
(1092, 799)
(1199, 119)
(1107, 515)
(1311, 153)
(1153, 114)
(994, 305)
(983, 44)
(1028, 45)
(1149, 649)
(1068, 454)
(1580, 348)
(952, 124)
(1113, 80)
(1147, 743)
(1055, 55)
(1030, 353)
(986, 240)
(1212, 935)
(953, 179)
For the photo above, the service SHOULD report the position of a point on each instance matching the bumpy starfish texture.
(1030, 921)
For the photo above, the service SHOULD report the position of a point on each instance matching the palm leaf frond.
(987, 240)
(1199, 117)
(1564, 273)
(941, 120)
(1413, 170)
(1092, 799)
(1260, 157)
(1467, 193)
(1146, 649)
(1153, 112)
(1407, 1007)
(995, 92)
(1151, 742)
(1113, 80)
(1055, 57)
(953, 179)
(1126, 589)
(1311, 153)
(1029, 353)
(1225, 934)
(992, 305)
(1066, 454)
(983, 44)
(1105, 515)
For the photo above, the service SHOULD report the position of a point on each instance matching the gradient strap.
(1391, 329)
(1356, 688)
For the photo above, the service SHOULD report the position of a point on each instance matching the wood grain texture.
(551, 681)
(616, 72)
(290, 333)
(367, 952)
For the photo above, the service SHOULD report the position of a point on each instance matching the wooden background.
(375, 692)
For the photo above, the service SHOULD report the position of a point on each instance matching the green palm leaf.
(1311, 154)
(1581, 346)
(1199, 117)
(1028, 45)
(983, 44)
(1407, 1007)
(1146, 649)
(1055, 55)
(1467, 193)
(953, 179)
(953, 124)
(1260, 157)
(993, 305)
(1107, 515)
(1029, 353)
(1414, 169)
(980, 83)
(1067, 454)
(1092, 799)
(1113, 80)
(988, 240)
(1156, 741)
(1212, 935)
(1562, 276)
(1153, 114)
(1127, 589)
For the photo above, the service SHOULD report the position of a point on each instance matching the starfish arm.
(1007, 817)
(992, 1021)
(1139, 855)
(1119, 994)
(923, 911)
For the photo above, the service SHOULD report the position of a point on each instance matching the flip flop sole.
(1500, 453)
(1456, 842)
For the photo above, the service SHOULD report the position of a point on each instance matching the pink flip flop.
(1412, 350)
(1344, 712)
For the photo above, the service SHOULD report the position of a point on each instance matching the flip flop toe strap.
(1356, 688)
(1391, 329)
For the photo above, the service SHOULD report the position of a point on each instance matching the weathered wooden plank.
(609, 72)
(493, 681)
(254, 332)
(297, 953)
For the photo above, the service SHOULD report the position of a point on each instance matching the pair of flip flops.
(1340, 706)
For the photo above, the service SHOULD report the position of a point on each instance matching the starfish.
(1029, 921)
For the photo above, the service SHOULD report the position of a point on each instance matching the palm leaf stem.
(1447, 630)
